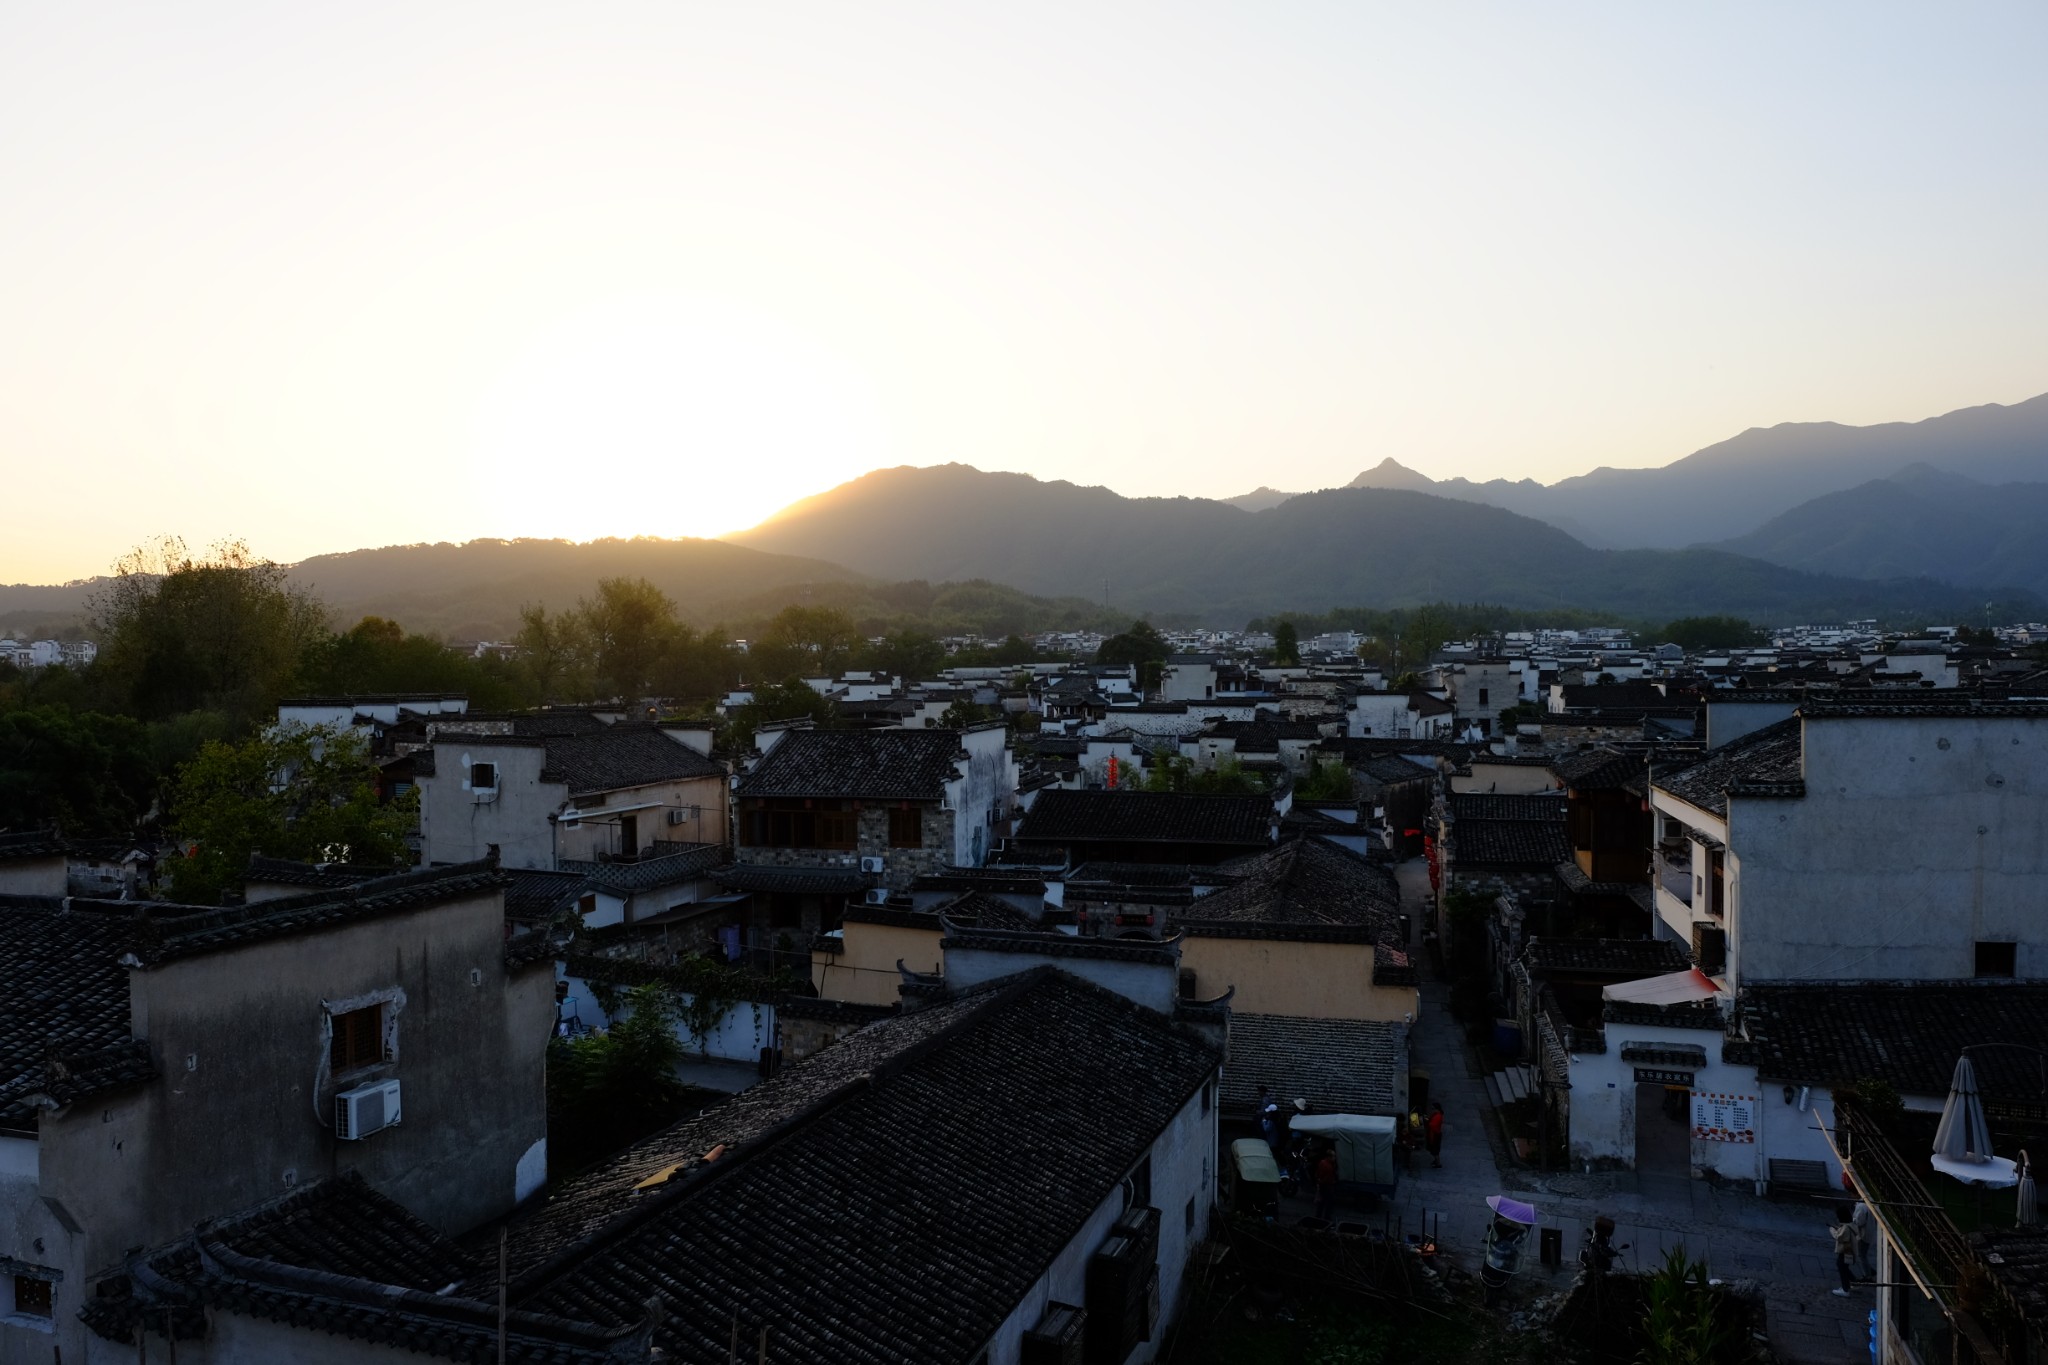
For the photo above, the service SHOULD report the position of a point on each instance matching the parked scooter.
(1599, 1253)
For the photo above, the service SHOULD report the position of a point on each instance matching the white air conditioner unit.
(874, 865)
(679, 815)
(878, 895)
(365, 1110)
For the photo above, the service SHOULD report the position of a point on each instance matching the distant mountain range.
(474, 591)
(1803, 521)
(1311, 552)
(1734, 487)
(1920, 522)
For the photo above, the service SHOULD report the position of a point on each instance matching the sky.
(324, 276)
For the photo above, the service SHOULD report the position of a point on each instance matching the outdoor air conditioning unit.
(1709, 947)
(365, 1110)
(878, 895)
(679, 816)
(874, 865)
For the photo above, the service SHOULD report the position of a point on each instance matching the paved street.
(1783, 1246)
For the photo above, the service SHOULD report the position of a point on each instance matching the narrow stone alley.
(1784, 1247)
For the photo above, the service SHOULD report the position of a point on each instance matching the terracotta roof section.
(1906, 1032)
(1340, 1066)
(1090, 817)
(927, 1200)
(1303, 885)
(1768, 762)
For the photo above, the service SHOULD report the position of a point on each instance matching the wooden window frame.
(356, 1039)
(913, 817)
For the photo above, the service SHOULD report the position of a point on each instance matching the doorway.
(1664, 1129)
(629, 837)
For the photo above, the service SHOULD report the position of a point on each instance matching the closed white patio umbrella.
(1962, 1144)
(2027, 1210)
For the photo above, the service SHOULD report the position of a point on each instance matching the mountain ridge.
(1335, 547)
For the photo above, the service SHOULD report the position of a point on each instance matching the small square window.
(483, 777)
(33, 1297)
(357, 1039)
(1997, 959)
(906, 827)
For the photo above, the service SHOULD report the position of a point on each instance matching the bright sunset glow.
(333, 278)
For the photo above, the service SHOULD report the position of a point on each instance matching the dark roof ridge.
(548, 1329)
(696, 1175)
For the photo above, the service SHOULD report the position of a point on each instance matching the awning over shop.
(1675, 988)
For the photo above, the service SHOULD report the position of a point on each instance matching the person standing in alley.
(1326, 1184)
(1865, 1224)
(1843, 1231)
(1435, 1134)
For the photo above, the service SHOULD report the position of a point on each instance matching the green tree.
(701, 665)
(907, 654)
(1685, 1321)
(226, 633)
(1700, 634)
(93, 774)
(962, 714)
(805, 642)
(1286, 645)
(551, 653)
(607, 1090)
(791, 700)
(305, 792)
(629, 628)
(1141, 645)
(1325, 782)
(376, 655)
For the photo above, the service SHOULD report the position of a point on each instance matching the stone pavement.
(1784, 1247)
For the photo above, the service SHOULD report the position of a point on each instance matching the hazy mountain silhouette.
(1348, 546)
(1259, 499)
(1920, 522)
(1734, 486)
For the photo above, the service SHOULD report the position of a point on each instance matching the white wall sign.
(1723, 1118)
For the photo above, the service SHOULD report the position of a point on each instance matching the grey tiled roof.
(1303, 885)
(31, 844)
(1597, 769)
(940, 1159)
(1340, 1066)
(338, 1259)
(1625, 959)
(64, 991)
(885, 765)
(287, 872)
(801, 881)
(1907, 1033)
(1085, 817)
(1769, 762)
(1509, 843)
(609, 759)
(651, 874)
(1547, 807)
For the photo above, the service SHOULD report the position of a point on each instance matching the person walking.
(1865, 1224)
(1434, 1134)
(1843, 1232)
(1326, 1184)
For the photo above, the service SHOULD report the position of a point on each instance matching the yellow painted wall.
(1306, 980)
(865, 974)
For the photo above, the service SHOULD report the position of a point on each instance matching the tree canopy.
(225, 632)
(303, 792)
(1696, 634)
(1286, 645)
